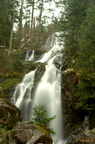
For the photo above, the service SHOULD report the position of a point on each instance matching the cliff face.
(69, 82)
(76, 122)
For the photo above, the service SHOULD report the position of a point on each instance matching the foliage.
(4, 127)
(6, 13)
(7, 83)
(40, 117)
(86, 61)
(17, 65)
(78, 25)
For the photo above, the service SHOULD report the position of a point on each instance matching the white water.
(48, 92)
(31, 57)
(22, 95)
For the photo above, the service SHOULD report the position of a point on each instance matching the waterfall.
(22, 95)
(29, 57)
(48, 91)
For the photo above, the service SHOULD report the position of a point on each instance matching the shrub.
(41, 118)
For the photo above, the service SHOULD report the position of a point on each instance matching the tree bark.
(41, 11)
(20, 22)
(32, 17)
(11, 36)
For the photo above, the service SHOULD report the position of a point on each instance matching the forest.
(21, 30)
(78, 24)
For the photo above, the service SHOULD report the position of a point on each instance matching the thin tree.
(11, 36)
(41, 118)
(20, 21)
(41, 11)
(32, 17)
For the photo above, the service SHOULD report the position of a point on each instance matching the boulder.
(15, 131)
(9, 114)
(82, 137)
(27, 133)
(82, 134)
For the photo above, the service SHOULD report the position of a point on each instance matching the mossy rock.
(25, 132)
(9, 113)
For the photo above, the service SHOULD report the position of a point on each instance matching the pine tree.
(41, 118)
(78, 26)
(86, 61)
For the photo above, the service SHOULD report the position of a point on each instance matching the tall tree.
(72, 17)
(41, 10)
(32, 16)
(20, 20)
(5, 22)
(11, 36)
(78, 25)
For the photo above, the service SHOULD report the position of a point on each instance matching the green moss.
(7, 83)
(43, 130)
(4, 136)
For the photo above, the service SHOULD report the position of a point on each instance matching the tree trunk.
(11, 36)
(32, 17)
(20, 22)
(41, 11)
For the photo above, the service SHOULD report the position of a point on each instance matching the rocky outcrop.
(38, 53)
(38, 74)
(77, 124)
(26, 133)
(69, 82)
(15, 131)
(82, 134)
(9, 114)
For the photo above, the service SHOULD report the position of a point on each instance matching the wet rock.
(81, 139)
(76, 136)
(9, 114)
(82, 134)
(38, 74)
(37, 54)
(69, 82)
(25, 133)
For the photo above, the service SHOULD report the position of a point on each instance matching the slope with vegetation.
(21, 30)
(78, 25)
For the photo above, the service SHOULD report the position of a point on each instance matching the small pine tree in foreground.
(41, 118)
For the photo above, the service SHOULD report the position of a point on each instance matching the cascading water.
(22, 95)
(29, 57)
(48, 91)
